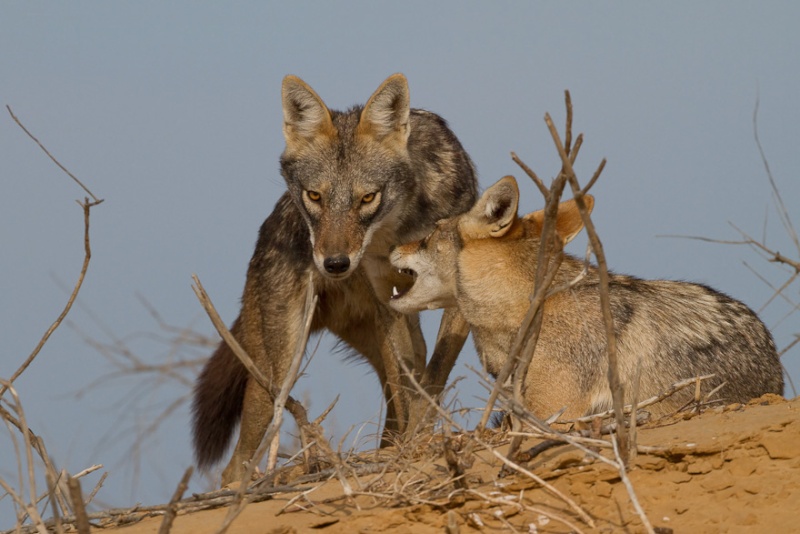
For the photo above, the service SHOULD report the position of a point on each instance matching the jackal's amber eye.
(313, 196)
(369, 197)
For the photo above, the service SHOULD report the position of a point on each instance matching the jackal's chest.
(345, 301)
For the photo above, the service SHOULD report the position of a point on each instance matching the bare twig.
(545, 273)
(543, 189)
(172, 508)
(549, 259)
(226, 335)
(518, 504)
(51, 491)
(97, 487)
(94, 198)
(617, 388)
(674, 388)
(16, 497)
(78, 507)
(784, 213)
(87, 206)
(772, 255)
(29, 439)
(628, 486)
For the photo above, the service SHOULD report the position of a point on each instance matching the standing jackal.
(484, 261)
(359, 182)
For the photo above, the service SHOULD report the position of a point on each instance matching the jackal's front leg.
(453, 332)
(399, 340)
(271, 330)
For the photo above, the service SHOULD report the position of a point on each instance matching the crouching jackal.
(359, 182)
(484, 261)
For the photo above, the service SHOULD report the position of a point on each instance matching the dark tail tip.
(217, 405)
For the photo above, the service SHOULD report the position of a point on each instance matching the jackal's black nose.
(337, 264)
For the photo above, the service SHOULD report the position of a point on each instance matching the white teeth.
(395, 292)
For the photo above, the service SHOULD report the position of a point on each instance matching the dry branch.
(76, 497)
(172, 508)
(280, 397)
(621, 467)
(19, 123)
(32, 442)
(783, 212)
(614, 382)
(87, 206)
(548, 261)
(51, 485)
(674, 388)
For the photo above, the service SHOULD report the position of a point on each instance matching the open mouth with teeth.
(403, 283)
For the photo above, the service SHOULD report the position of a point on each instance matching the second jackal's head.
(486, 255)
(348, 173)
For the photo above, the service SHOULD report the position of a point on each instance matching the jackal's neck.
(494, 295)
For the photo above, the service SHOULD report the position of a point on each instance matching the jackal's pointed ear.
(495, 211)
(305, 115)
(568, 221)
(385, 116)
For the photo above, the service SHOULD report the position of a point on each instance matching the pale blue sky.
(171, 113)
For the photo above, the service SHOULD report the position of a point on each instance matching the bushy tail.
(217, 404)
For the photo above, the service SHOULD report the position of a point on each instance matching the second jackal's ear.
(385, 116)
(305, 115)
(495, 211)
(568, 221)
